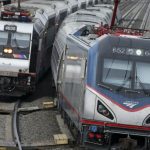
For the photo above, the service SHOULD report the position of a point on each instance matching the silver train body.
(27, 37)
(102, 82)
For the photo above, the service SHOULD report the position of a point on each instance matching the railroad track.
(146, 19)
(31, 125)
(8, 115)
(127, 5)
(131, 16)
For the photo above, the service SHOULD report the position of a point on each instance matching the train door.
(61, 68)
(73, 82)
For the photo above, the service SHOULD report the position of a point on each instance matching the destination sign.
(10, 28)
(130, 51)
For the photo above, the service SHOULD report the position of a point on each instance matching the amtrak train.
(101, 75)
(26, 38)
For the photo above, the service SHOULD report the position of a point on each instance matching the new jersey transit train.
(26, 37)
(102, 81)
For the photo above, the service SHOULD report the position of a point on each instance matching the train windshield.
(126, 74)
(20, 40)
(3, 38)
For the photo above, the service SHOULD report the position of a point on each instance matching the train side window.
(40, 44)
(51, 22)
(83, 68)
(83, 6)
(20, 40)
(38, 26)
(62, 17)
(74, 9)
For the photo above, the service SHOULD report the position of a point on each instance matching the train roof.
(107, 12)
(59, 6)
(47, 11)
(72, 3)
(86, 16)
(111, 40)
(50, 8)
(81, 2)
(71, 27)
(110, 6)
(99, 8)
(88, 2)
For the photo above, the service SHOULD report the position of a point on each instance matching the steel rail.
(124, 5)
(146, 19)
(129, 11)
(15, 127)
(135, 16)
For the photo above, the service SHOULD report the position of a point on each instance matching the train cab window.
(51, 22)
(3, 38)
(39, 26)
(20, 40)
(142, 79)
(117, 72)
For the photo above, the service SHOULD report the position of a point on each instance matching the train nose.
(13, 65)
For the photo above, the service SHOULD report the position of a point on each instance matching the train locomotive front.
(15, 52)
(117, 91)
(104, 87)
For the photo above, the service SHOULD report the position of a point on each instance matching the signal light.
(93, 128)
(8, 50)
(104, 111)
(138, 52)
(91, 135)
(99, 136)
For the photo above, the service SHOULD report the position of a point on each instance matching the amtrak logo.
(130, 104)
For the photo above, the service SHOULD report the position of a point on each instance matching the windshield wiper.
(104, 86)
(132, 91)
(142, 86)
(124, 83)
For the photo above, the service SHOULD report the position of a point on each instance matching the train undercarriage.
(17, 86)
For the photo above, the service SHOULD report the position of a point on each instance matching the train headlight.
(104, 111)
(8, 50)
(147, 121)
(138, 52)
